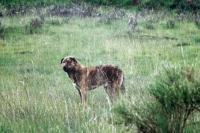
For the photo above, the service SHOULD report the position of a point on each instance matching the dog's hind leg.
(123, 89)
(109, 93)
(122, 85)
(112, 91)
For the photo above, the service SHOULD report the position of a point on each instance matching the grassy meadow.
(37, 96)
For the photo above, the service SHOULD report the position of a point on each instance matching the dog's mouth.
(67, 69)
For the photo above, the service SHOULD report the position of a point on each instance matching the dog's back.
(105, 75)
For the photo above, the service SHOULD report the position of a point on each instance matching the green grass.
(37, 96)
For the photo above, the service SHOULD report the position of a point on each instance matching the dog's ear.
(73, 59)
(61, 60)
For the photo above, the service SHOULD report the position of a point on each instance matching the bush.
(11, 3)
(110, 2)
(175, 95)
(181, 4)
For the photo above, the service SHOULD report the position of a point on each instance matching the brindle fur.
(90, 77)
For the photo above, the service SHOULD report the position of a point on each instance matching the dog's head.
(69, 63)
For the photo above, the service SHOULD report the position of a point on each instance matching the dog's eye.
(69, 62)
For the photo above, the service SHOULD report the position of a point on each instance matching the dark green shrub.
(11, 3)
(182, 4)
(110, 2)
(175, 95)
(177, 91)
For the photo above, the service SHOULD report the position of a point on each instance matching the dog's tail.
(122, 85)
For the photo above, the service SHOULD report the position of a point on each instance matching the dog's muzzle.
(67, 69)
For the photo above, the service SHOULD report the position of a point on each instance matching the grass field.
(37, 96)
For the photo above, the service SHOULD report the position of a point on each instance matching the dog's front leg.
(79, 92)
(83, 96)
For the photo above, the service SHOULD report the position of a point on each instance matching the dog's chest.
(75, 85)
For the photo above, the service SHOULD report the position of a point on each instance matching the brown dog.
(87, 78)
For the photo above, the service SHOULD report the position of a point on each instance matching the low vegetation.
(158, 50)
(171, 106)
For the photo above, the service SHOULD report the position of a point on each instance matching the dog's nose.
(64, 68)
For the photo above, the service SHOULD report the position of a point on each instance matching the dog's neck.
(72, 74)
(79, 66)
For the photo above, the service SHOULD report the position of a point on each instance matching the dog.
(86, 78)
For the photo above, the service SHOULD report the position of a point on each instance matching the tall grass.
(37, 96)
